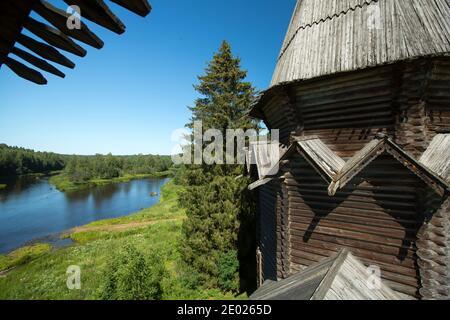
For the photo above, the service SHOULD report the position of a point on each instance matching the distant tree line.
(18, 161)
(80, 169)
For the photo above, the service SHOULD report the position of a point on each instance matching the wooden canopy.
(15, 16)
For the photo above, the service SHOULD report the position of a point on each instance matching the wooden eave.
(376, 148)
(382, 144)
(15, 16)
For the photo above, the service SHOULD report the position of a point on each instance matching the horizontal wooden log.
(140, 7)
(37, 62)
(98, 12)
(302, 229)
(58, 18)
(54, 37)
(45, 51)
(25, 72)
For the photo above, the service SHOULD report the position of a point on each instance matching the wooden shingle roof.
(437, 156)
(340, 277)
(332, 36)
(55, 33)
(338, 173)
(263, 156)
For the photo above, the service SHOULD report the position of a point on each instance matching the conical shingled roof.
(332, 36)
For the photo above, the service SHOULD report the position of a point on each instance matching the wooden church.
(361, 97)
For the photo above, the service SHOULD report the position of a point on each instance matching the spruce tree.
(218, 205)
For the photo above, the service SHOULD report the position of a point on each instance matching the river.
(31, 209)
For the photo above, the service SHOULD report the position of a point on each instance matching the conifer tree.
(218, 205)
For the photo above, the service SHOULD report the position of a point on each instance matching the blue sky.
(129, 97)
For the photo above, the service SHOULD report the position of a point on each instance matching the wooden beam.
(40, 63)
(140, 7)
(12, 16)
(98, 12)
(58, 18)
(45, 51)
(54, 37)
(24, 72)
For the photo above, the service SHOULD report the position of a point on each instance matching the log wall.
(408, 101)
(433, 250)
(267, 226)
(376, 217)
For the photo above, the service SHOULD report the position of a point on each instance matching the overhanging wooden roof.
(56, 36)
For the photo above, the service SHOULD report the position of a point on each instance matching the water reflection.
(31, 208)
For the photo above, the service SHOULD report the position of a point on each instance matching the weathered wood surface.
(25, 72)
(437, 156)
(54, 37)
(346, 84)
(98, 12)
(433, 251)
(40, 63)
(58, 18)
(338, 173)
(45, 51)
(140, 7)
(15, 15)
(332, 36)
(338, 277)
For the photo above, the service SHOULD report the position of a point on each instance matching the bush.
(228, 266)
(130, 276)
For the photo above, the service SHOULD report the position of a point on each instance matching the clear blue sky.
(128, 97)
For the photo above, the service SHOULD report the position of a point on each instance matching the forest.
(81, 169)
(19, 161)
(16, 161)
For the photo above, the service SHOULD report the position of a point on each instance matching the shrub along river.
(32, 210)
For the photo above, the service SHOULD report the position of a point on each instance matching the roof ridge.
(322, 20)
(379, 145)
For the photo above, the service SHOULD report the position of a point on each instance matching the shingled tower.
(361, 96)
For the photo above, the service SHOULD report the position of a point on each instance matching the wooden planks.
(54, 37)
(58, 18)
(140, 7)
(98, 12)
(378, 224)
(39, 63)
(331, 36)
(25, 72)
(44, 50)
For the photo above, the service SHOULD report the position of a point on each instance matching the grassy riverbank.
(40, 272)
(2, 186)
(63, 183)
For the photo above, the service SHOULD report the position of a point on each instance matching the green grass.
(41, 274)
(63, 183)
(2, 186)
(23, 255)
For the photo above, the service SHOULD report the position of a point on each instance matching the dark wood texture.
(15, 15)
